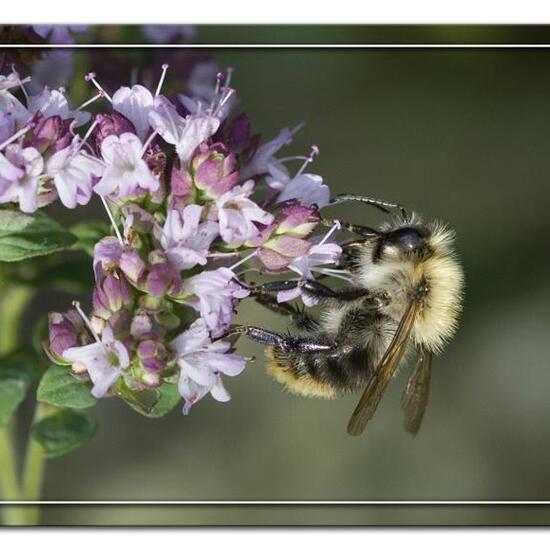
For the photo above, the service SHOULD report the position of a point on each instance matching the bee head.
(403, 243)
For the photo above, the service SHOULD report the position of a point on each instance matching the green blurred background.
(457, 134)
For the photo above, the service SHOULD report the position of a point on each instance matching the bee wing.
(415, 396)
(386, 369)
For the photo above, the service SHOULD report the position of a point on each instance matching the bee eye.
(408, 239)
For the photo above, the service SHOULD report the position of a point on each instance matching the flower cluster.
(196, 202)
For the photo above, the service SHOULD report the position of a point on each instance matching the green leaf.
(88, 234)
(153, 403)
(71, 273)
(12, 392)
(40, 333)
(63, 432)
(16, 373)
(168, 399)
(24, 236)
(60, 388)
(18, 366)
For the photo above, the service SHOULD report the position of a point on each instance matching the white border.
(242, 12)
(278, 502)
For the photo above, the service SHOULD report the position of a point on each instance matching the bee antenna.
(383, 206)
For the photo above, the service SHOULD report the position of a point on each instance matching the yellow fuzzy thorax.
(437, 319)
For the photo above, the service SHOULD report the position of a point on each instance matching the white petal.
(195, 132)
(308, 188)
(287, 295)
(135, 104)
(218, 391)
(66, 189)
(194, 338)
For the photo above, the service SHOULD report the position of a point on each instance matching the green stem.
(13, 301)
(33, 472)
(13, 515)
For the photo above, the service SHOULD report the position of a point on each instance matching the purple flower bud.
(153, 355)
(297, 220)
(110, 296)
(291, 247)
(132, 266)
(120, 323)
(66, 330)
(151, 379)
(214, 170)
(277, 253)
(284, 240)
(141, 325)
(272, 261)
(181, 184)
(108, 125)
(46, 132)
(238, 132)
(63, 333)
(162, 279)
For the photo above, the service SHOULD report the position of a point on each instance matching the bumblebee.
(405, 302)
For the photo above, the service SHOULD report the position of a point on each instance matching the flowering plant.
(195, 202)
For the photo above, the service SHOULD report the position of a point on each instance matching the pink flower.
(212, 294)
(109, 125)
(53, 102)
(185, 239)
(107, 254)
(185, 133)
(8, 102)
(278, 252)
(66, 330)
(20, 171)
(135, 104)
(263, 158)
(72, 172)
(214, 170)
(201, 363)
(126, 173)
(111, 295)
(319, 255)
(162, 277)
(297, 220)
(237, 214)
(104, 361)
(309, 189)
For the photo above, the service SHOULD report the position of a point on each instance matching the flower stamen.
(230, 71)
(308, 160)
(17, 135)
(162, 77)
(228, 92)
(76, 305)
(336, 225)
(89, 101)
(148, 142)
(90, 77)
(112, 219)
(243, 260)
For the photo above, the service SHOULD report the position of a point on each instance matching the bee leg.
(299, 317)
(318, 290)
(287, 343)
(315, 289)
